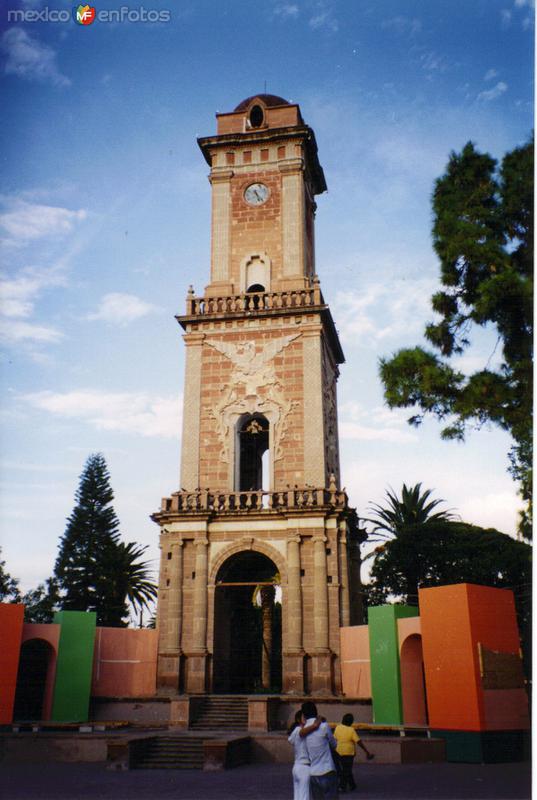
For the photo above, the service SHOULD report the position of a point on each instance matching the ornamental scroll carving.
(253, 388)
(330, 417)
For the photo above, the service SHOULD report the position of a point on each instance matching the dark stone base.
(485, 747)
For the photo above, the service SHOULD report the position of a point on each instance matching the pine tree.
(85, 564)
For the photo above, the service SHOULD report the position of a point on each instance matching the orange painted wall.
(453, 620)
(450, 659)
(11, 622)
(355, 661)
(124, 662)
(49, 633)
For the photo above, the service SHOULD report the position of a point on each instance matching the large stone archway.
(247, 638)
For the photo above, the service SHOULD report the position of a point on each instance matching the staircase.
(221, 713)
(169, 752)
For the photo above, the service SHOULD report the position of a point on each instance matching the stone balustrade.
(254, 301)
(207, 501)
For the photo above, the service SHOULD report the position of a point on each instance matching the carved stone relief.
(253, 387)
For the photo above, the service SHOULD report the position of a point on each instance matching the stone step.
(171, 752)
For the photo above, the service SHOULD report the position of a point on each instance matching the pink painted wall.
(124, 662)
(11, 622)
(49, 633)
(355, 661)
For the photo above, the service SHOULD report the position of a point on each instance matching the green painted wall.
(384, 653)
(74, 666)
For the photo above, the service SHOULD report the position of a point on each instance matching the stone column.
(197, 657)
(221, 223)
(293, 672)
(322, 657)
(190, 477)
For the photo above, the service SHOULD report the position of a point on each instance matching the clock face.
(256, 194)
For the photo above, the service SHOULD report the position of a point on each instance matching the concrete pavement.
(66, 781)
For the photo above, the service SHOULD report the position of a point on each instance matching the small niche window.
(256, 116)
(252, 445)
(169, 556)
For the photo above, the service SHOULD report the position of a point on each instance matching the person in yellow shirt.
(347, 739)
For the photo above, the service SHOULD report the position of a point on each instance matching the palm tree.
(413, 508)
(399, 519)
(133, 577)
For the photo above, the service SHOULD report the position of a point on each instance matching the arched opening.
(255, 287)
(247, 626)
(37, 659)
(413, 682)
(252, 444)
(256, 116)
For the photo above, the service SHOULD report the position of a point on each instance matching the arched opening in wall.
(252, 443)
(36, 662)
(255, 287)
(256, 116)
(247, 652)
(413, 681)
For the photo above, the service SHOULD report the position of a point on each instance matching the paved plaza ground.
(261, 782)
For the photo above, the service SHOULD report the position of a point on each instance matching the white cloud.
(120, 309)
(494, 93)
(28, 221)
(17, 294)
(136, 412)
(383, 311)
(377, 424)
(286, 11)
(506, 17)
(403, 25)
(490, 74)
(432, 62)
(15, 331)
(324, 18)
(30, 59)
(522, 3)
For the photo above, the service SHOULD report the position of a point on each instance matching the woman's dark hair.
(348, 719)
(296, 723)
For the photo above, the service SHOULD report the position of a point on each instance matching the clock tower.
(260, 561)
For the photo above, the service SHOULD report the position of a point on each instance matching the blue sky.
(104, 222)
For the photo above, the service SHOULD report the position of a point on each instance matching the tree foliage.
(439, 552)
(9, 587)
(483, 236)
(413, 508)
(41, 603)
(94, 570)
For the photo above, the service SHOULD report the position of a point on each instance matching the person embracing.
(301, 765)
(319, 744)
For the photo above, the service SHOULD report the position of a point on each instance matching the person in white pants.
(301, 766)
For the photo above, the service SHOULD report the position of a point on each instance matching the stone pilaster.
(293, 218)
(175, 597)
(221, 221)
(196, 678)
(293, 667)
(322, 655)
(344, 602)
(167, 662)
(190, 442)
(314, 451)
